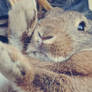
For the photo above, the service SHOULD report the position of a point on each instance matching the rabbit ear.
(45, 4)
(22, 20)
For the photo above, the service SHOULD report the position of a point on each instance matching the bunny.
(58, 56)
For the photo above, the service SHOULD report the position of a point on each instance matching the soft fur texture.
(44, 4)
(25, 17)
(72, 74)
(19, 17)
(66, 48)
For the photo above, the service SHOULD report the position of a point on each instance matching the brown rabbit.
(63, 48)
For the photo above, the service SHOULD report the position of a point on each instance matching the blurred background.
(77, 5)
